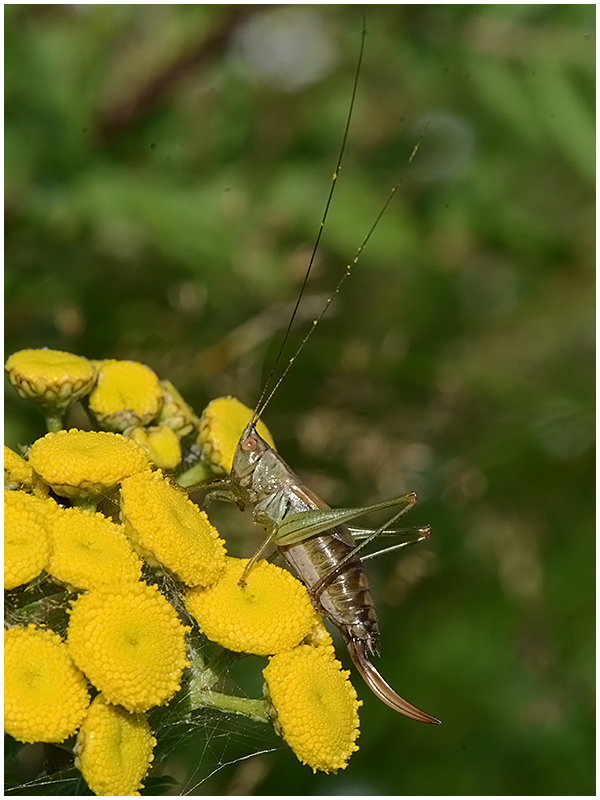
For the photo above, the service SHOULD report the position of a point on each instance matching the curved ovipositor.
(380, 687)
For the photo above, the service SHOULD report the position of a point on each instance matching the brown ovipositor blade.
(380, 687)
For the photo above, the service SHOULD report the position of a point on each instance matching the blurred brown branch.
(126, 113)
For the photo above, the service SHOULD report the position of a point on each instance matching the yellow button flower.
(271, 612)
(319, 636)
(175, 412)
(171, 530)
(49, 377)
(90, 550)
(114, 749)
(27, 544)
(17, 472)
(126, 394)
(315, 706)
(161, 444)
(221, 425)
(77, 463)
(129, 642)
(45, 695)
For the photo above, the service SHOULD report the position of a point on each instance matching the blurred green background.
(166, 172)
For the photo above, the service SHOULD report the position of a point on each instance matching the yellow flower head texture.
(171, 530)
(27, 543)
(315, 706)
(50, 377)
(77, 463)
(45, 695)
(18, 473)
(89, 550)
(175, 412)
(129, 642)
(126, 393)
(161, 444)
(114, 749)
(221, 426)
(270, 613)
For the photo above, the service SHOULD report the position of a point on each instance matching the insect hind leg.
(419, 534)
(411, 500)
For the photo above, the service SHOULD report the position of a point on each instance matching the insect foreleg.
(226, 490)
(254, 559)
(217, 490)
(298, 527)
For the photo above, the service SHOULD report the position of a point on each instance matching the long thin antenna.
(257, 412)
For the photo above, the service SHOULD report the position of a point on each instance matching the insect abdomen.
(346, 598)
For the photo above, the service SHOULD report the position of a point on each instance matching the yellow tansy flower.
(90, 550)
(175, 412)
(114, 749)
(49, 377)
(129, 642)
(271, 612)
(161, 444)
(319, 635)
(45, 695)
(27, 544)
(315, 706)
(126, 394)
(17, 472)
(171, 530)
(221, 425)
(79, 463)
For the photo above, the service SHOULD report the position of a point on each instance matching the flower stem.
(198, 474)
(54, 421)
(249, 707)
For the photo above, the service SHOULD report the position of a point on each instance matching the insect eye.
(249, 443)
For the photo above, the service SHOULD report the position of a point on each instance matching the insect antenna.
(260, 406)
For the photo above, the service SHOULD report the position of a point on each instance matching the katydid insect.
(312, 537)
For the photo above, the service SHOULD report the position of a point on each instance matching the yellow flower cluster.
(123, 636)
(121, 396)
(123, 519)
